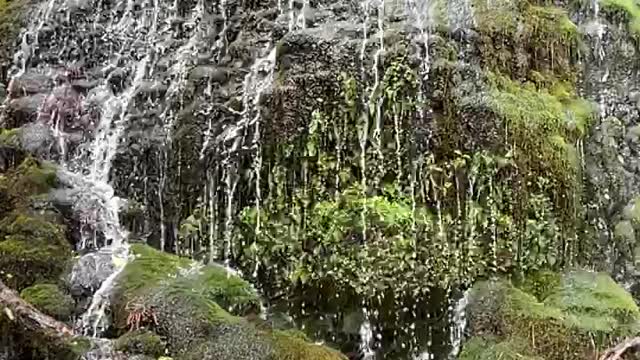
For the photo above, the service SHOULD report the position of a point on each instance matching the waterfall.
(458, 324)
(366, 340)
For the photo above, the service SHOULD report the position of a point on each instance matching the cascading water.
(178, 75)
(458, 324)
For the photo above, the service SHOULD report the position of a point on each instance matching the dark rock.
(212, 73)
(22, 111)
(29, 84)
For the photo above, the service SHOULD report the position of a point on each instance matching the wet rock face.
(173, 81)
(611, 152)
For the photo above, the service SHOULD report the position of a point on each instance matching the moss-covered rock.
(10, 137)
(49, 299)
(142, 342)
(183, 303)
(31, 250)
(481, 348)
(573, 317)
(292, 346)
(214, 283)
(517, 36)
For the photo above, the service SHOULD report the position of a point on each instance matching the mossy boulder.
(49, 299)
(141, 342)
(31, 250)
(572, 316)
(481, 348)
(151, 268)
(195, 309)
(290, 345)
(31, 178)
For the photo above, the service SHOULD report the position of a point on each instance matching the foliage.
(50, 300)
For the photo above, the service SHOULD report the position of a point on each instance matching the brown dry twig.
(616, 353)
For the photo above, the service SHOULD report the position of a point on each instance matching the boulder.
(49, 299)
(550, 316)
(198, 311)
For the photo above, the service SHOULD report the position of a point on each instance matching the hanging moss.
(542, 124)
(517, 37)
(624, 10)
(49, 299)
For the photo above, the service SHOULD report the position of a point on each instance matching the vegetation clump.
(49, 299)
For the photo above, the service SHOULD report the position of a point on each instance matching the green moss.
(541, 283)
(24, 263)
(31, 229)
(148, 269)
(583, 313)
(212, 283)
(629, 10)
(50, 300)
(32, 178)
(593, 302)
(186, 300)
(31, 250)
(541, 124)
(140, 342)
(517, 36)
(184, 297)
(10, 137)
(288, 347)
(480, 348)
